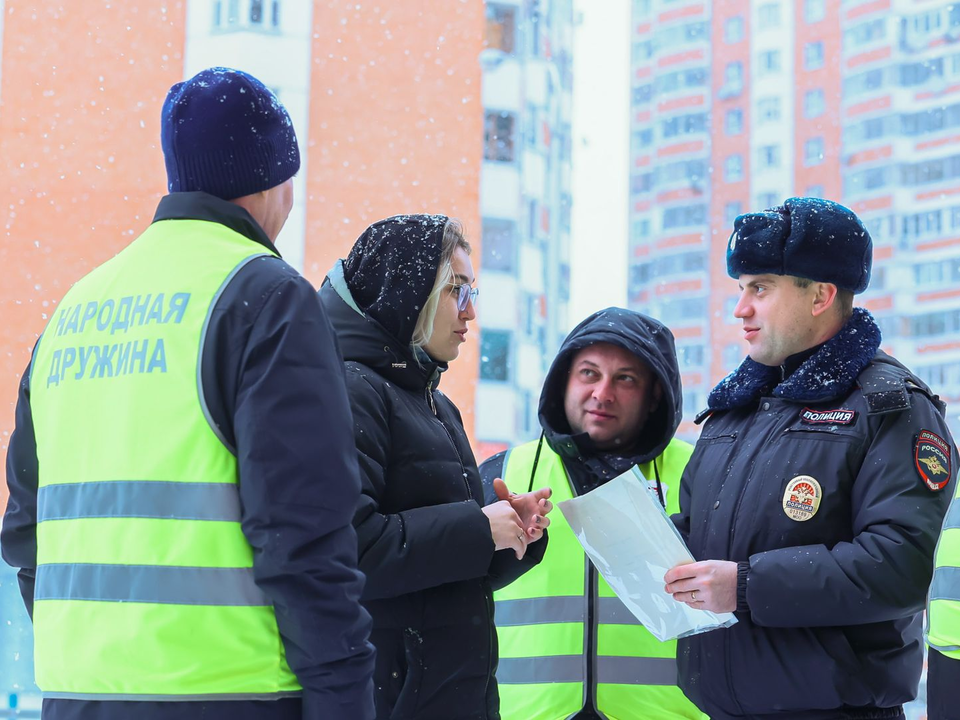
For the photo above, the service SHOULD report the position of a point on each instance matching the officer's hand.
(532, 507)
(707, 585)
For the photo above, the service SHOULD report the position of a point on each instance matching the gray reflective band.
(175, 698)
(612, 611)
(570, 668)
(952, 520)
(946, 584)
(139, 499)
(538, 611)
(159, 584)
(636, 670)
(552, 669)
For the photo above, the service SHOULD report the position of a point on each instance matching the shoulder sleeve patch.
(931, 457)
(884, 391)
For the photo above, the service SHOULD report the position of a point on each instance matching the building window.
(693, 401)
(275, 13)
(813, 151)
(495, 355)
(768, 157)
(684, 216)
(768, 16)
(813, 55)
(732, 80)
(501, 31)
(233, 12)
(814, 10)
(768, 109)
(770, 62)
(256, 12)
(689, 356)
(217, 10)
(733, 29)
(814, 103)
(767, 200)
(733, 168)
(732, 355)
(499, 135)
(499, 245)
(733, 122)
(730, 212)
(814, 191)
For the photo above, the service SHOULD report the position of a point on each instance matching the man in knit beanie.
(183, 473)
(814, 496)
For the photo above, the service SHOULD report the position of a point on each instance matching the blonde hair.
(452, 239)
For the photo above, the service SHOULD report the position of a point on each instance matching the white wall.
(601, 157)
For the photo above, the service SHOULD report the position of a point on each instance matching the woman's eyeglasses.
(465, 294)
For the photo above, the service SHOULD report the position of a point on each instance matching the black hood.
(374, 297)
(638, 334)
(391, 270)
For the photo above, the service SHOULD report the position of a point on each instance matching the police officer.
(815, 490)
(568, 646)
(182, 474)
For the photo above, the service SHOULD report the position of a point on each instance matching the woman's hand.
(505, 527)
(532, 507)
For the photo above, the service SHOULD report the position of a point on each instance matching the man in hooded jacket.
(568, 646)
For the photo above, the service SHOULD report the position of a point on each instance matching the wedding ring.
(693, 596)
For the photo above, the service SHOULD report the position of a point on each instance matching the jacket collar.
(201, 206)
(830, 372)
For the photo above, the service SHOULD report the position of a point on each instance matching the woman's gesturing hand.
(505, 527)
(532, 507)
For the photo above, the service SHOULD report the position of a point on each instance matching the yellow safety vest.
(943, 609)
(144, 586)
(542, 619)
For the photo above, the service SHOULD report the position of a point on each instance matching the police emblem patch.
(931, 455)
(840, 416)
(801, 499)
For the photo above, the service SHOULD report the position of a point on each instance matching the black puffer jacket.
(425, 544)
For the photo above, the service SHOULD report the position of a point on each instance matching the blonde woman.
(401, 305)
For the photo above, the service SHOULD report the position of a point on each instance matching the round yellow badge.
(801, 499)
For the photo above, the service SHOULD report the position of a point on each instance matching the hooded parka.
(425, 544)
(623, 672)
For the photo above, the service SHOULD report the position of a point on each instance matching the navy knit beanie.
(224, 133)
(806, 237)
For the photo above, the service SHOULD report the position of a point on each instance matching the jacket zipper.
(591, 654)
(463, 470)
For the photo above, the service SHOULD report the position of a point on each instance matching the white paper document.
(628, 536)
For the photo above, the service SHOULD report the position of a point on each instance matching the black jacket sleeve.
(298, 488)
(414, 549)
(18, 534)
(883, 572)
(505, 568)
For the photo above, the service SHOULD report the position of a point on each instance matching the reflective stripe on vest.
(144, 585)
(545, 612)
(137, 498)
(569, 669)
(943, 604)
(149, 584)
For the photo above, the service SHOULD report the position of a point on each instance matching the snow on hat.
(224, 133)
(805, 237)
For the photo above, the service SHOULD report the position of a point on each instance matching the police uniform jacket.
(827, 485)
